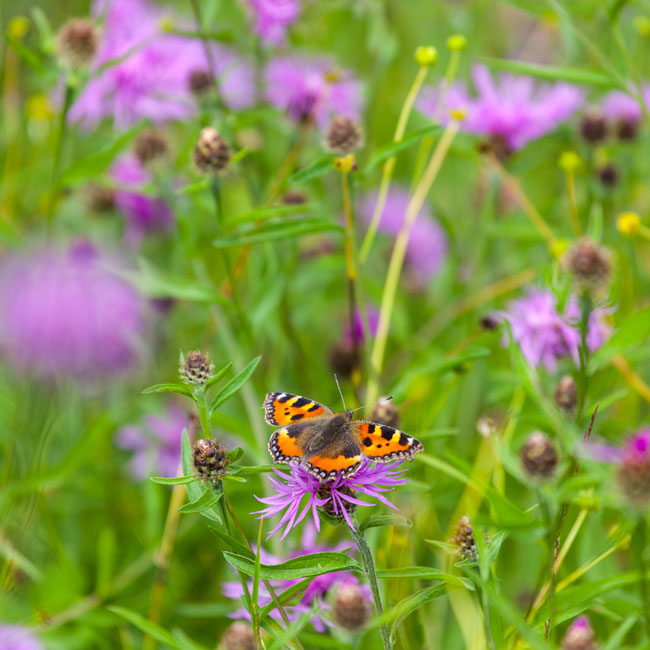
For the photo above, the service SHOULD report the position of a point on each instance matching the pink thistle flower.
(273, 17)
(302, 87)
(18, 637)
(514, 108)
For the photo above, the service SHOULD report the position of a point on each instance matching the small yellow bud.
(569, 161)
(166, 24)
(456, 43)
(426, 55)
(559, 247)
(628, 223)
(346, 164)
(457, 114)
(18, 27)
(642, 26)
(38, 107)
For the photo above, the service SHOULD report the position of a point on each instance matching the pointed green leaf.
(426, 573)
(174, 480)
(389, 149)
(314, 169)
(235, 384)
(168, 388)
(288, 595)
(207, 500)
(231, 542)
(218, 376)
(275, 231)
(268, 212)
(374, 521)
(144, 625)
(234, 454)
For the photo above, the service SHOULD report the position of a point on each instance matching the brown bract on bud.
(343, 135)
(77, 42)
(200, 82)
(209, 459)
(589, 263)
(538, 456)
(566, 394)
(385, 412)
(238, 636)
(351, 609)
(196, 369)
(325, 492)
(211, 154)
(608, 175)
(627, 129)
(579, 636)
(464, 539)
(344, 358)
(149, 145)
(593, 127)
(489, 322)
(99, 198)
(496, 145)
(633, 477)
(293, 197)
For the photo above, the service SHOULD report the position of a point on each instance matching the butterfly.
(326, 443)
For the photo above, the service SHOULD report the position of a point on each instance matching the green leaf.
(234, 454)
(425, 573)
(207, 500)
(144, 625)
(235, 384)
(184, 641)
(289, 594)
(193, 188)
(253, 469)
(235, 479)
(314, 169)
(374, 521)
(273, 232)
(282, 640)
(168, 388)
(305, 566)
(268, 212)
(217, 376)
(175, 480)
(391, 148)
(231, 542)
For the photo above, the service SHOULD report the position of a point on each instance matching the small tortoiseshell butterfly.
(326, 443)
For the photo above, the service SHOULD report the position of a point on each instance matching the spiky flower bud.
(343, 135)
(566, 394)
(209, 459)
(464, 539)
(325, 492)
(196, 368)
(200, 82)
(351, 608)
(149, 145)
(99, 198)
(579, 636)
(593, 127)
(608, 175)
(589, 263)
(238, 636)
(385, 412)
(211, 154)
(344, 358)
(538, 456)
(77, 42)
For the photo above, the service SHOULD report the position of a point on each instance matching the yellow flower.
(38, 107)
(457, 43)
(457, 114)
(347, 164)
(426, 55)
(558, 248)
(628, 223)
(569, 161)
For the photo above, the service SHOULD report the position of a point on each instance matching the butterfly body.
(326, 443)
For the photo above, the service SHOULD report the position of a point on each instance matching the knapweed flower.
(156, 443)
(299, 486)
(624, 112)
(544, 335)
(538, 456)
(427, 246)
(273, 17)
(512, 111)
(307, 88)
(144, 214)
(66, 313)
(17, 637)
(579, 636)
(142, 71)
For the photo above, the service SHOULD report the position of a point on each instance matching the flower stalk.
(639, 546)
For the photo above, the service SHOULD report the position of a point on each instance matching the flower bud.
(566, 394)
(343, 135)
(149, 145)
(293, 197)
(569, 161)
(464, 539)
(200, 82)
(456, 43)
(608, 175)
(538, 456)
(332, 509)
(344, 358)
(238, 636)
(579, 636)
(209, 459)
(76, 42)
(351, 609)
(196, 368)
(634, 471)
(558, 247)
(627, 130)
(490, 424)
(593, 127)
(496, 145)
(99, 198)
(628, 223)
(489, 322)
(426, 55)
(211, 154)
(385, 412)
(346, 164)
(589, 263)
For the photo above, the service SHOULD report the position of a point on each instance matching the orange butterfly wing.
(284, 408)
(383, 444)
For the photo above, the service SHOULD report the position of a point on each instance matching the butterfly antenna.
(383, 399)
(336, 379)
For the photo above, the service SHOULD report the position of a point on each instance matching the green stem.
(202, 408)
(68, 98)
(639, 546)
(369, 566)
(585, 311)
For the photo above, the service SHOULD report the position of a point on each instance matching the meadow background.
(512, 139)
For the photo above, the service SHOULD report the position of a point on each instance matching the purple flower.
(302, 87)
(17, 637)
(67, 313)
(156, 443)
(427, 245)
(619, 106)
(545, 335)
(141, 71)
(273, 17)
(373, 322)
(144, 214)
(291, 489)
(514, 109)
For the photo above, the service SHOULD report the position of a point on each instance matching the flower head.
(624, 112)
(427, 245)
(306, 87)
(579, 636)
(17, 637)
(292, 489)
(65, 312)
(273, 17)
(77, 42)
(156, 443)
(514, 108)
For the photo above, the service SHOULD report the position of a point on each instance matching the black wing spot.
(367, 442)
(371, 428)
(403, 440)
(297, 416)
(284, 398)
(301, 401)
(315, 407)
(379, 446)
(387, 433)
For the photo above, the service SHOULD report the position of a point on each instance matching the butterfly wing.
(344, 457)
(282, 409)
(384, 444)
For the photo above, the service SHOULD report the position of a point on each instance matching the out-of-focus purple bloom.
(144, 214)
(619, 106)
(515, 108)
(579, 636)
(372, 315)
(141, 71)
(18, 637)
(545, 335)
(273, 17)
(67, 313)
(598, 331)
(427, 245)
(156, 443)
(303, 86)
(290, 491)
